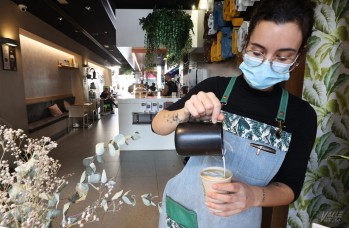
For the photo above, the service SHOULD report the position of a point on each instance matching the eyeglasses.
(279, 64)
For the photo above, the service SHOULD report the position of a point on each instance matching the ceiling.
(88, 21)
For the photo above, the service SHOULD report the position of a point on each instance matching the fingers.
(224, 210)
(231, 204)
(236, 199)
(204, 106)
(216, 111)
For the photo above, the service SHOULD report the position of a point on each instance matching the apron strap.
(281, 115)
(282, 106)
(227, 91)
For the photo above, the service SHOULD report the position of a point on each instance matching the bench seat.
(37, 125)
(40, 120)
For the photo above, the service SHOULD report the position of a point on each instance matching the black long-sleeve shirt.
(263, 106)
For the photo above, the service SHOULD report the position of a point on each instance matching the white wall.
(128, 31)
(130, 34)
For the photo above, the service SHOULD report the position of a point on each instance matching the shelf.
(70, 67)
(142, 118)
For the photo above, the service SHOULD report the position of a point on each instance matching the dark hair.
(284, 11)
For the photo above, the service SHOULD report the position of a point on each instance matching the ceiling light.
(8, 41)
(106, 46)
(203, 4)
(88, 8)
(60, 18)
(62, 1)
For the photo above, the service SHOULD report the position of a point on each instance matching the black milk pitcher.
(199, 138)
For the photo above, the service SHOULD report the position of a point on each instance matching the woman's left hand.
(240, 197)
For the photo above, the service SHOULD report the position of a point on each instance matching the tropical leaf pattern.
(325, 195)
(260, 132)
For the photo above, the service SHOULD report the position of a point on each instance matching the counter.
(136, 114)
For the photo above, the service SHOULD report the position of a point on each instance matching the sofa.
(42, 123)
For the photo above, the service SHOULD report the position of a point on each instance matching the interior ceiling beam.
(78, 27)
(109, 11)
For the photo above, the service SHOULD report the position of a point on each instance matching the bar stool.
(77, 112)
(104, 107)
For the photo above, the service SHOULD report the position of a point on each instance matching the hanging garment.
(207, 50)
(218, 16)
(242, 33)
(234, 40)
(226, 42)
(208, 25)
(216, 49)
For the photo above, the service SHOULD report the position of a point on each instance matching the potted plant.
(170, 29)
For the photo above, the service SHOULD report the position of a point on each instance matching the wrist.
(182, 116)
(260, 196)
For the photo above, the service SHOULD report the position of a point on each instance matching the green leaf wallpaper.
(325, 194)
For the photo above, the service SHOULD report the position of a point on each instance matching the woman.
(278, 34)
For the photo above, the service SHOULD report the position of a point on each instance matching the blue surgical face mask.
(262, 76)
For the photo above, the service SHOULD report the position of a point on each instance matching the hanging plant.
(170, 29)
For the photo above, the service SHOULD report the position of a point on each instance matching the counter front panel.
(135, 115)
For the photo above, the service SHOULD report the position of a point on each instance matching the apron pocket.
(259, 162)
(180, 214)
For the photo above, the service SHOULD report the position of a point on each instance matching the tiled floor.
(139, 171)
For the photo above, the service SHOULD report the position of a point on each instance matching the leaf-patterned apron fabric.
(245, 141)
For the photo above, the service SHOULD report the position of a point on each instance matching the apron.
(254, 152)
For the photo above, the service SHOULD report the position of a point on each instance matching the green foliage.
(313, 67)
(325, 146)
(340, 126)
(296, 219)
(170, 29)
(341, 8)
(315, 206)
(330, 79)
(325, 19)
(341, 33)
(313, 41)
(345, 54)
(315, 92)
(126, 69)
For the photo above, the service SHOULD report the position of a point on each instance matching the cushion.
(55, 111)
(38, 111)
(66, 105)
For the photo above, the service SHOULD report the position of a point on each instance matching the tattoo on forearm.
(277, 184)
(171, 118)
(263, 195)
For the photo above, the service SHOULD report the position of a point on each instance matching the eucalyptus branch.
(30, 195)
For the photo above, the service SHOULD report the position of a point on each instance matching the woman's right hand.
(204, 106)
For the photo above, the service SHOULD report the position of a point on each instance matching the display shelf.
(67, 66)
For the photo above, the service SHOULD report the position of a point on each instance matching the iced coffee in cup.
(215, 175)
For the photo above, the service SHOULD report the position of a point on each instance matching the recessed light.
(60, 18)
(88, 8)
(62, 1)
